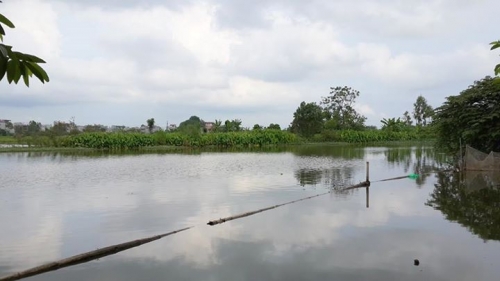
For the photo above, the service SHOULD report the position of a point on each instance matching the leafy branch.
(495, 45)
(15, 64)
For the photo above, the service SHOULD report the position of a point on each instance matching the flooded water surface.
(55, 205)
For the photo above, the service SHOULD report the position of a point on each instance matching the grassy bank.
(371, 136)
(7, 140)
(164, 140)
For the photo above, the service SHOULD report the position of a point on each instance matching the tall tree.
(151, 124)
(422, 112)
(339, 107)
(407, 118)
(34, 128)
(308, 119)
(257, 127)
(16, 64)
(472, 117)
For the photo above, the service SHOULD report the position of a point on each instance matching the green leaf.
(28, 57)
(17, 72)
(25, 72)
(12, 69)
(3, 51)
(6, 21)
(3, 68)
(2, 31)
(495, 44)
(38, 71)
(497, 69)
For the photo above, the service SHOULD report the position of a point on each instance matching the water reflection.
(57, 207)
(421, 160)
(471, 199)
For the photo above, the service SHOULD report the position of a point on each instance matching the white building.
(4, 126)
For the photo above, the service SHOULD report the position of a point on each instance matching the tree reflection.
(347, 152)
(335, 179)
(419, 160)
(471, 199)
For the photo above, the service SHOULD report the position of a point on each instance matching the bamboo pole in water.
(223, 220)
(86, 257)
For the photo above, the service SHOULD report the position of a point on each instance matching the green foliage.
(407, 119)
(274, 127)
(232, 125)
(339, 109)
(394, 125)
(352, 136)
(307, 119)
(151, 124)
(189, 125)
(495, 45)
(137, 140)
(422, 112)
(473, 117)
(94, 128)
(257, 127)
(15, 64)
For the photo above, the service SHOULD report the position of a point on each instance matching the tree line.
(337, 112)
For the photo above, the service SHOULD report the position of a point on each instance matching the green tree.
(232, 125)
(307, 119)
(393, 125)
(15, 64)
(273, 126)
(193, 126)
(257, 127)
(94, 128)
(473, 117)
(151, 124)
(60, 128)
(33, 128)
(339, 109)
(407, 118)
(422, 111)
(217, 125)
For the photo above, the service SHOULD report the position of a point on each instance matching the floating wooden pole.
(86, 257)
(223, 220)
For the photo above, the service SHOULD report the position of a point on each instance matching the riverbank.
(168, 141)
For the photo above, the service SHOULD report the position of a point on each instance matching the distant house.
(171, 127)
(45, 127)
(209, 126)
(116, 128)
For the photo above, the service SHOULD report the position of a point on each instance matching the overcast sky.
(117, 62)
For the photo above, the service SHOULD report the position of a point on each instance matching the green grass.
(7, 140)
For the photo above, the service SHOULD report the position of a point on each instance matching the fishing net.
(476, 180)
(476, 160)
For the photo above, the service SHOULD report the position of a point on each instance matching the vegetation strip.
(86, 257)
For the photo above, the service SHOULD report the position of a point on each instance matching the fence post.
(368, 173)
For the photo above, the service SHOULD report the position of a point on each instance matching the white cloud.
(194, 55)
